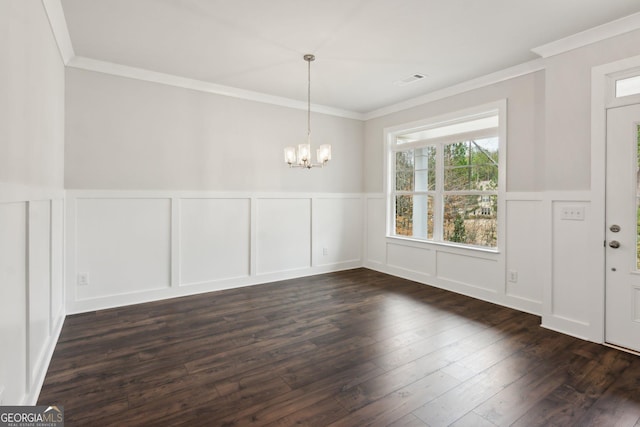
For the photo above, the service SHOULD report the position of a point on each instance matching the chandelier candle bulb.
(304, 153)
(324, 153)
(290, 155)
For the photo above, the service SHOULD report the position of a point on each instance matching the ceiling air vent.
(408, 80)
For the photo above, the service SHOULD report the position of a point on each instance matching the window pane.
(425, 164)
(638, 233)
(638, 200)
(627, 87)
(471, 165)
(457, 166)
(471, 220)
(404, 170)
(414, 216)
(446, 130)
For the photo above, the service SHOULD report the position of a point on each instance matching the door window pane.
(638, 198)
(628, 87)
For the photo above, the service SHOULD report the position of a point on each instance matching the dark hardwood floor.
(351, 348)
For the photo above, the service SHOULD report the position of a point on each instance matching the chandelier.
(301, 158)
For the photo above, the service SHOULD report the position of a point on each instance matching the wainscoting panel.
(571, 296)
(470, 270)
(525, 250)
(283, 234)
(214, 239)
(39, 283)
(31, 291)
(412, 259)
(57, 262)
(375, 220)
(139, 246)
(337, 233)
(13, 301)
(123, 246)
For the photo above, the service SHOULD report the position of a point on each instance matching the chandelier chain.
(309, 97)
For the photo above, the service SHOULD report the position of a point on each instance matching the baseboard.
(34, 392)
(83, 306)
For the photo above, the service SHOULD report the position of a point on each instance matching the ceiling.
(362, 46)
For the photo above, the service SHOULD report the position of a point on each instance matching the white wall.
(31, 199)
(126, 134)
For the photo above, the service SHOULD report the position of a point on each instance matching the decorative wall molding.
(10, 193)
(60, 30)
(114, 69)
(590, 36)
(58, 24)
(30, 269)
(195, 242)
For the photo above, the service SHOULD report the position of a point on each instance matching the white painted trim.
(114, 69)
(194, 194)
(524, 196)
(111, 68)
(389, 134)
(477, 83)
(566, 327)
(36, 385)
(55, 14)
(590, 36)
(175, 242)
(83, 306)
(11, 193)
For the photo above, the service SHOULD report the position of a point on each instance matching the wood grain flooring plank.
(350, 348)
(408, 421)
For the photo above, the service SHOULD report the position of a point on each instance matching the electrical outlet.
(573, 213)
(512, 276)
(83, 279)
(325, 251)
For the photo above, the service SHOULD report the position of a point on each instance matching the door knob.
(614, 228)
(614, 244)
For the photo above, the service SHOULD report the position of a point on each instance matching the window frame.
(391, 134)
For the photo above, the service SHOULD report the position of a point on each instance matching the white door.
(622, 326)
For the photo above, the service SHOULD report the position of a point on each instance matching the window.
(445, 180)
(627, 87)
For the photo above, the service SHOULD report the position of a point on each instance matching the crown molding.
(55, 14)
(477, 83)
(587, 37)
(105, 67)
